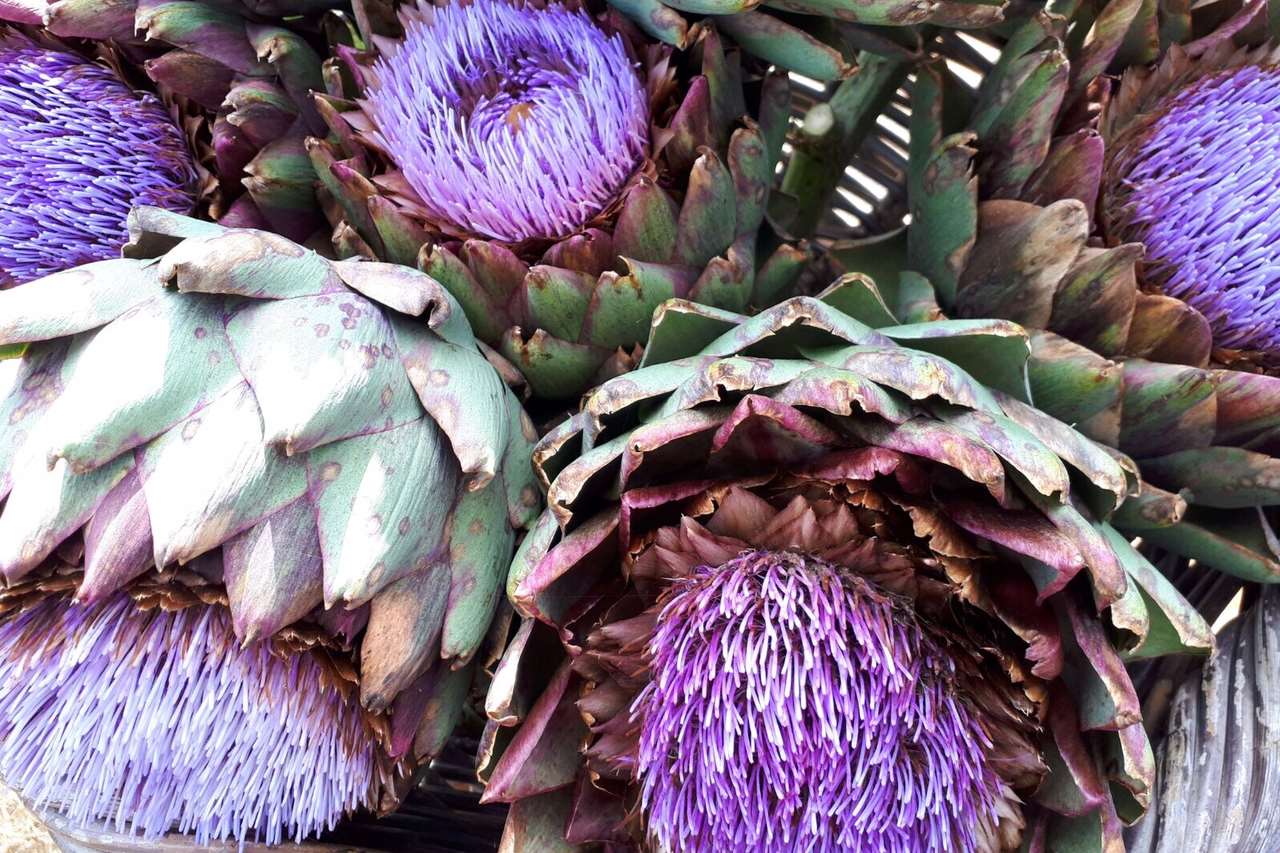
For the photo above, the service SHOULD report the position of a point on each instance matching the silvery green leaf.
(462, 393)
(117, 540)
(480, 542)
(323, 368)
(212, 475)
(75, 300)
(382, 502)
(524, 497)
(249, 263)
(398, 287)
(178, 361)
(33, 384)
(46, 506)
(403, 635)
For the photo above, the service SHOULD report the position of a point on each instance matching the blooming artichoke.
(238, 76)
(319, 443)
(815, 586)
(558, 174)
(78, 148)
(1002, 225)
(142, 718)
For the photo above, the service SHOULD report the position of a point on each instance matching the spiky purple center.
(154, 721)
(78, 149)
(1206, 201)
(509, 121)
(794, 707)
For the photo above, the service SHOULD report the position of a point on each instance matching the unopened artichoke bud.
(557, 171)
(823, 585)
(319, 443)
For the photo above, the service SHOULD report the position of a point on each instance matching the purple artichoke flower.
(1198, 186)
(510, 122)
(143, 718)
(78, 149)
(794, 706)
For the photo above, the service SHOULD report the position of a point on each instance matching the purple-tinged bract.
(1199, 189)
(793, 706)
(78, 149)
(153, 720)
(510, 122)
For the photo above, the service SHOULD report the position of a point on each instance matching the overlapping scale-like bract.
(853, 466)
(328, 430)
(1135, 343)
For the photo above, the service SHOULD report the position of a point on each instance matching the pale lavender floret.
(794, 707)
(78, 149)
(510, 121)
(154, 720)
(1206, 201)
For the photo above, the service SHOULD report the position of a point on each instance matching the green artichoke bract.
(319, 444)
(815, 38)
(805, 580)
(237, 74)
(557, 172)
(1003, 225)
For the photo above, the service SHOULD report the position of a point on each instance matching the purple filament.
(1202, 193)
(794, 707)
(78, 149)
(510, 121)
(155, 721)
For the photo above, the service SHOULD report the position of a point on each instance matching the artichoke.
(237, 75)
(556, 172)
(318, 445)
(1002, 224)
(816, 586)
(78, 148)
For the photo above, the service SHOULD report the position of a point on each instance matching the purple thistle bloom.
(156, 720)
(78, 149)
(793, 706)
(1201, 193)
(510, 121)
